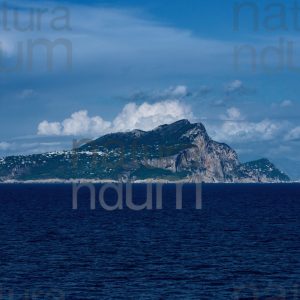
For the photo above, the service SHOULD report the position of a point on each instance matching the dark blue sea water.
(243, 244)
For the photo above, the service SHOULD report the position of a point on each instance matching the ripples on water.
(243, 244)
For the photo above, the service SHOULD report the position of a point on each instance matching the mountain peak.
(182, 122)
(179, 123)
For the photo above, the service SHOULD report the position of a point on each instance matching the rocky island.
(181, 151)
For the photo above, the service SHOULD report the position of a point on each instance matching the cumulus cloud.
(145, 117)
(249, 131)
(47, 128)
(80, 124)
(235, 127)
(294, 134)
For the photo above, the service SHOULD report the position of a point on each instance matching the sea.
(244, 243)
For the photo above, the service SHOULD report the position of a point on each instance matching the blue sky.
(141, 63)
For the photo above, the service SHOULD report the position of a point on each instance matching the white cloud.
(235, 127)
(178, 91)
(294, 134)
(249, 131)
(145, 117)
(286, 103)
(81, 124)
(234, 86)
(233, 114)
(78, 124)
(46, 128)
(118, 40)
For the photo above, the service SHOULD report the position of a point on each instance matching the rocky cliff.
(179, 151)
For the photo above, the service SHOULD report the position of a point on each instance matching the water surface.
(244, 243)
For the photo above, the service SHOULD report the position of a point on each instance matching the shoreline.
(146, 181)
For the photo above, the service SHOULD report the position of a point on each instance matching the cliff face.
(206, 158)
(177, 151)
(211, 161)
